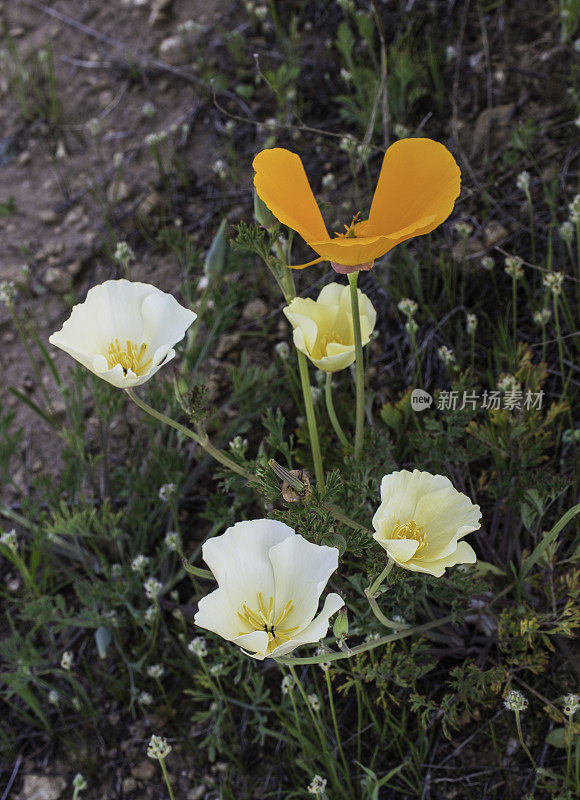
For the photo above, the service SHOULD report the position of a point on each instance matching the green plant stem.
(561, 358)
(371, 591)
(166, 776)
(359, 366)
(202, 442)
(335, 725)
(532, 232)
(521, 738)
(331, 412)
(515, 312)
(310, 418)
(384, 620)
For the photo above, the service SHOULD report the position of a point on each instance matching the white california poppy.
(421, 521)
(323, 328)
(269, 584)
(124, 331)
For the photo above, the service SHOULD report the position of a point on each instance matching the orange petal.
(282, 184)
(416, 190)
(351, 252)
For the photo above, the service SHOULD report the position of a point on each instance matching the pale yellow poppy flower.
(323, 328)
(124, 331)
(421, 521)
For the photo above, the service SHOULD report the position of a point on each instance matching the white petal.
(400, 550)
(302, 314)
(319, 626)
(215, 614)
(253, 644)
(165, 321)
(463, 554)
(301, 571)
(239, 559)
(332, 294)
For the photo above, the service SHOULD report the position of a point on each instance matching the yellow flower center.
(329, 338)
(409, 530)
(130, 357)
(350, 232)
(264, 620)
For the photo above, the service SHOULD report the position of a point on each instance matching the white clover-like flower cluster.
(140, 563)
(317, 786)
(152, 588)
(566, 231)
(509, 383)
(463, 229)
(523, 181)
(571, 704)
(314, 702)
(554, 282)
(198, 647)
(166, 491)
(156, 671)
(446, 355)
(172, 541)
(487, 263)
(513, 266)
(407, 307)
(515, 701)
(288, 684)
(66, 661)
(471, 324)
(10, 540)
(542, 317)
(158, 747)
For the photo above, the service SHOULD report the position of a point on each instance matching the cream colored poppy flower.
(124, 331)
(323, 328)
(269, 584)
(421, 521)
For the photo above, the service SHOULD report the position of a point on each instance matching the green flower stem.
(532, 231)
(364, 648)
(331, 412)
(388, 623)
(372, 590)
(203, 442)
(311, 418)
(359, 366)
(313, 716)
(515, 311)
(335, 724)
(521, 738)
(166, 776)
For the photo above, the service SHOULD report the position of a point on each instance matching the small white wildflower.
(411, 327)
(79, 783)
(153, 139)
(158, 747)
(198, 647)
(216, 669)
(314, 702)
(116, 570)
(53, 697)
(76, 703)
(513, 267)
(316, 393)
(317, 786)
(172, 541)
(542, 317)
(219, 166)
(324, 665)
(118, 160)
(471, 324)
(166, 491)
(571, 704)
(94, 126)
(515, 701)
(574, 209)
(123, 254)
(345, 75)
(329, 181)
(156, 671)
(566, 231)
(407, 306)
(229, 127)
(446, 355)
(463, 229)
(554, 281)
(151, 613)
(283, 350)
(67, 660)
(401, 131)
(347, 144)
(399, 619)
(7, 292)
(577, 121)
(261, 12)
(488, 263)
(523, 181)
(372, 637)
(509, 383)
(450, 53)
(10, 540)
(144, 698)
(270, 124)
(152, 588)
(287, 684)
(148, 109)
(238, 446)
(139, 563)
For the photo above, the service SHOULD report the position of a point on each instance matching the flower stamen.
(129, 358)
(263, 620)
(409, 530)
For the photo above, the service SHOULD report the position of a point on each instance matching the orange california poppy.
(417, 188)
